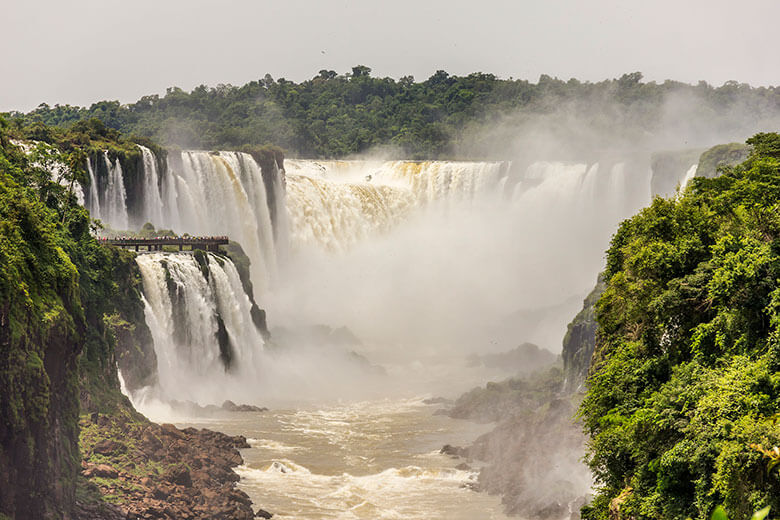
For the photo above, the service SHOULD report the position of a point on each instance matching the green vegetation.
(61, 294)
(333, 115)
(122, 432)
(720, 514)
(719, 156)
(685, 373)
(516, 395)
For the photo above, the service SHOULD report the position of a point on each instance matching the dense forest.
(444, 116)
(684, 389)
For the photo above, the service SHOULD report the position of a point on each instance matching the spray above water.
(201, 323)
(424, 262)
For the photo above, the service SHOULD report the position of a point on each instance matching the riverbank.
(136, 469)
(532, 455)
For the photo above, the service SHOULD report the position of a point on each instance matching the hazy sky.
(81, 51)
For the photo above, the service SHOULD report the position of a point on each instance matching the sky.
(82, 51)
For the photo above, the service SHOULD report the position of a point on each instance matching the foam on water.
(363, 460)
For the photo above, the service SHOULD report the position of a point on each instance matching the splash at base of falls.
(205, 337)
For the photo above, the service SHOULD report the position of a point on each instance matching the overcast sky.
(81, 51)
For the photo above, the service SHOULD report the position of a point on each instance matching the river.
(363, 460)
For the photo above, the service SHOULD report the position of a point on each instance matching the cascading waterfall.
(223, 193)
(337, 204)
(201, 323)
(93, 203)
(428, 257)
(442, 274)
(587, 194)
(433, 221)
(114, 204)
(689, 175)
(334, 205)
(337, 215)
(153, 206)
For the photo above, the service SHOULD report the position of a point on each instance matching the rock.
(463, 467)
(179, 475)
(230, 406)
(437, 400)
(196, 480)
(453, 451)
(580, 341)
(107, 446)
(100, 470)
(262, 513)
(161, 493)
(172, 431)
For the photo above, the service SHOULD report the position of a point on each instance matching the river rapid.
(363, 460)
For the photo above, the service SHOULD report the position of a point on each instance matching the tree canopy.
(685, 376)
(334, 115)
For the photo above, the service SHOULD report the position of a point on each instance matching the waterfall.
(224, 193)
(689, 175)
(417, 259)
(201, 323)
(337, 204)
(93, 203)
(114, 205)
(152, 201)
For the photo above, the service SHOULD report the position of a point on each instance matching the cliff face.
(668, 168)
(533, 455)
(56, 335)
(721, 155)
(580, 341)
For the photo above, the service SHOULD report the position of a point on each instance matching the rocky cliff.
(57, 337)
(580, 341)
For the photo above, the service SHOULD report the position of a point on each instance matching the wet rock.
(453, 451)
(230, 406)
(262, 513)
(437, 400)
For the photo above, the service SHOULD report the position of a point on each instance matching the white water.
(433, 258)
(93, 204)
(362, 460)
(184, 330)
(151, 194)
(114, 205)
(424, 262)
(222, 194)
(338, 204)
(689, 175)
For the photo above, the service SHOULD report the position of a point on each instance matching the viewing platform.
(156, 243)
